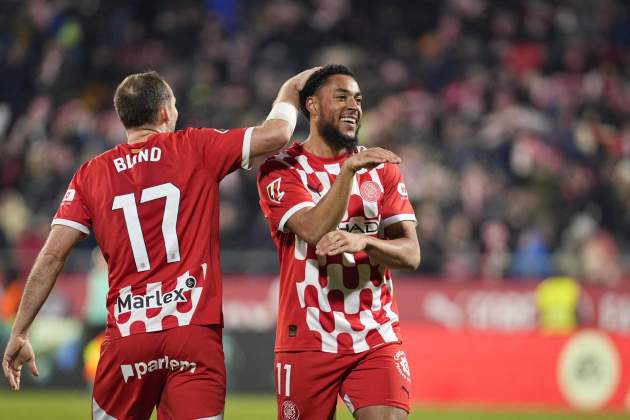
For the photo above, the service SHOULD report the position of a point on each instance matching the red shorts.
(180, 370)
(308, 382)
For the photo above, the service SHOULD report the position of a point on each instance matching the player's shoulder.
(205, 132)
(284, 160)
(97, 162)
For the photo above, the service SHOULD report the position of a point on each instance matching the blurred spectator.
(531, 258)
(511, 118)
(558, 301)
(95, 308)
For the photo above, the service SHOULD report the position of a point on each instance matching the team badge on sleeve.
(69, 196)
(274, 192)
(402, 189)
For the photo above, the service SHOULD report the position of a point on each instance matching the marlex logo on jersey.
(155, 299)
(139, 369)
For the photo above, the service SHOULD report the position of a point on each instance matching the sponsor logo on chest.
(360, 225)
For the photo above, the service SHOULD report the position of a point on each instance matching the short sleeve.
(73, 211)
(396, 205)
(282, 193)
(223, 151)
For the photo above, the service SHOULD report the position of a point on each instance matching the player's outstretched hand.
(18, 352)
(338, 241)
(370, 158)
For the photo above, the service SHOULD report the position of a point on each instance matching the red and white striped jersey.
(343, 303)
(154, 210)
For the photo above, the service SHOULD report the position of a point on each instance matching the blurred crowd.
(512, 117)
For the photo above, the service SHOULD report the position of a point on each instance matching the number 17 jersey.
(154, 210)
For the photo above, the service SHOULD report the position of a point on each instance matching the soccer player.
(341, 219)
(152, 204)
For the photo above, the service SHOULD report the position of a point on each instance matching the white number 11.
(287, 379)
(127, 202)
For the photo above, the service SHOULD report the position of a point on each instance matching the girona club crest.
(370, 191)
(290, 411)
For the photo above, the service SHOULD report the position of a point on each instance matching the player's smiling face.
(339, 101)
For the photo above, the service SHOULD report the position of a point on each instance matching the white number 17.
(127, 202)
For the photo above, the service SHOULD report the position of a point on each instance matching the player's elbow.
(278, 134)
(302, 224)
(279, 137)
(51, 258)
(311, 235)
(412, 260)
(269, 138)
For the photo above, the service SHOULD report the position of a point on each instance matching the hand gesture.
(370, 158)
(300, 79)
(18, 352)
(339, 241)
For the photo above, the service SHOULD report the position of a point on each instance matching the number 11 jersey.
(154, 210)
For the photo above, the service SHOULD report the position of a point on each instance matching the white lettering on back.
(129, 161)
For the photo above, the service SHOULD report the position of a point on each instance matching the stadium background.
(512, 121)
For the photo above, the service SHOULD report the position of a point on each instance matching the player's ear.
(163, 116)
(312, 106)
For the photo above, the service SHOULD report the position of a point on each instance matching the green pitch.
(53, 405)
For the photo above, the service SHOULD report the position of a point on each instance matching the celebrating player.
(340, 217)
(153, 206)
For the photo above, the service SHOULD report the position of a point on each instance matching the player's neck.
(140, 134)
(316, 145)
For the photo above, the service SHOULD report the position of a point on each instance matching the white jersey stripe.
(71, 223)
(292, 211)
(98, 413)
(333, 169)
(397, 218)
(303, 161)
(247, 141)
(325, 180)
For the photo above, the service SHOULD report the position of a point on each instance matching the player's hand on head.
(371, 158)
(18, 352)
(300, 79)
(339, 241)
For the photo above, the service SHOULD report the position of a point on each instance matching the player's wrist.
(19, 335)
(368, 243)
(348, 167)
(285, 111)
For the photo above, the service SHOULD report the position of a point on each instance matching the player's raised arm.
(47, 267)
(276, 131)
(331, 208)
